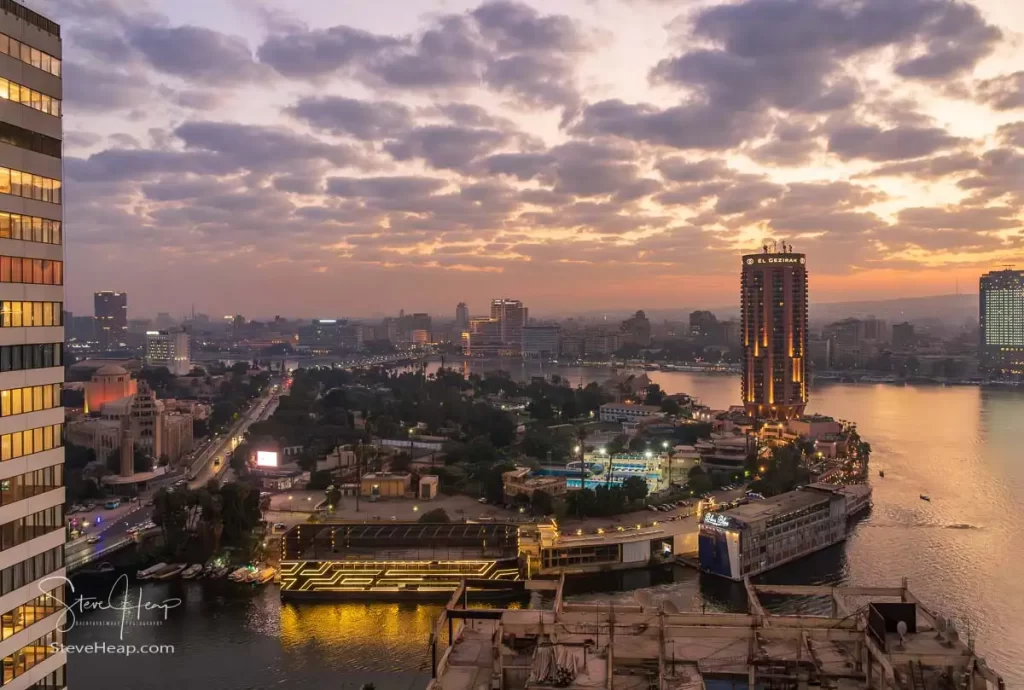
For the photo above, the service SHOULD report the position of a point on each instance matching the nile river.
(961, 445)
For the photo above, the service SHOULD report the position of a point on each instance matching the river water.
(960, 445)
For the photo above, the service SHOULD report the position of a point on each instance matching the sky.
(326, 158)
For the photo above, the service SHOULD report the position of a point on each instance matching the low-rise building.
(813, 427)
(521, 482)
(427, 489)
(385, 485)
(627, 412)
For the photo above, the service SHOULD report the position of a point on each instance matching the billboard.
(266, 458)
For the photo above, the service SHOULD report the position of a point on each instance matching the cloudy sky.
(332, 157)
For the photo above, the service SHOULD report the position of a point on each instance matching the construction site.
(874, 637)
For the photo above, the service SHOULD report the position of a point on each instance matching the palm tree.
(581, 437)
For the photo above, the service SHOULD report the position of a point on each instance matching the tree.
(438, 515)
(635, 488)
(400, 462)
(698, 480)
(637, 444)
(200, 428)
(333, 496)
(541, 502)
(654, 395)
(319, 480)
(671, 407)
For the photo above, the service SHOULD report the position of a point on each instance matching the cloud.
(927, 168)
(505, 46)
(194, 53)
(446, 146)
(896, 143)
(258, 147)
(315, 53)
(1005, 92)
(365, 120)
(697, 126)
(381, 187)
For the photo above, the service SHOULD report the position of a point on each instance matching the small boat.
(251, 575)
(170, 571)
(207, 571)
(925, 497)
(220, 572)
(191, 571)
(264, 576)
(881, 473)
(239, 575)
(150, 571)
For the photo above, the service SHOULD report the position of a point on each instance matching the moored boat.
(926, 497)
(150, 571)
(264, 576)
(191, 571)
(239, 575)
(170, 571)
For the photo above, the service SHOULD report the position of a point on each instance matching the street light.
(664, 444)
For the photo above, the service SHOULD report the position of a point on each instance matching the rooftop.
(776, 505)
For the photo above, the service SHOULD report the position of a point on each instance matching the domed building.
(108, 383)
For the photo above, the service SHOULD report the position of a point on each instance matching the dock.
(874, 637)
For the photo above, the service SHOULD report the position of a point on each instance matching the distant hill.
(951, 309)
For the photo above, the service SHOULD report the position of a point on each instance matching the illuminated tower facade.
(773, 304)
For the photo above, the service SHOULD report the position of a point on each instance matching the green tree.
(319, 480)
(541, 502)
(437, 515)
(698, 480)
(635, 488)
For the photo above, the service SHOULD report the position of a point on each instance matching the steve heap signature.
(116, 600)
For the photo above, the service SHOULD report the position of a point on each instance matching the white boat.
(239, 575)
(169, 572)
(264, 576)
(191, 571)
(150, 571)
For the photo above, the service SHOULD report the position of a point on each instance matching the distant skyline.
(354, 158)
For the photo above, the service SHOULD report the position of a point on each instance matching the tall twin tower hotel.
(773, 305)
(32, 531)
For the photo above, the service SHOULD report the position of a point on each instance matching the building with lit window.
(111, 310)
(512, 317)
(1001, 320)
(31, 344)
(773, 306)
(169, 349)
(540, 342)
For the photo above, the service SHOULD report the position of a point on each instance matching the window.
(35, 652)
(36, 58)
(25, 529)
(30, 141)
(24, 572)
(24, 400)
(22, 486)
(34, 271)
(27, 314)
(37, 100)
(21, 184)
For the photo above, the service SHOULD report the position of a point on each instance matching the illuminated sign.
(717, 519)
(762, 260)
(152, 332)
(327, 321)
(266, 458)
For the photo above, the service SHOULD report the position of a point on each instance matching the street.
(114, 524)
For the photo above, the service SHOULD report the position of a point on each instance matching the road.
(223, 445)
(115, 525)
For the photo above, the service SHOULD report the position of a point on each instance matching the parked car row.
(666, 507)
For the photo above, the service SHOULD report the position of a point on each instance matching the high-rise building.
(32, 290)
(111, 310)
(169, 349)
(484, 337)
(773, 306)
(512, 316)
(637, 329)
(1001, 321)
(702, 323)
(540, 341)
(462, 315)
(903, 336)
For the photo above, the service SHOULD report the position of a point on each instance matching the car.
(652, 508)
(95, 539)
(280, 527)
(72, 510)
(481, 500)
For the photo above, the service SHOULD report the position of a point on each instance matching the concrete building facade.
(171, 349)
(32, 277)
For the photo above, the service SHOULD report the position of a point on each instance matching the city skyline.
(500, 148)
